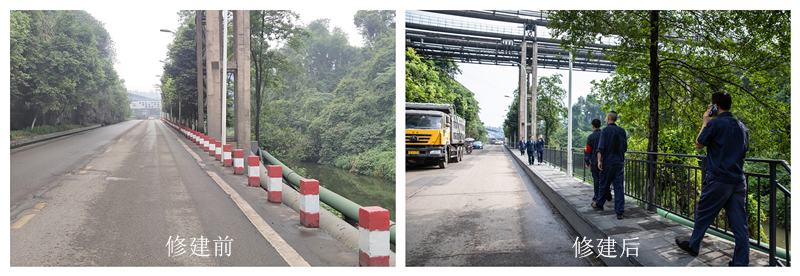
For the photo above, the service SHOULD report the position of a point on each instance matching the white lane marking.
(284, 249)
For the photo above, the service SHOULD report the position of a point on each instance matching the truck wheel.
(443, 162)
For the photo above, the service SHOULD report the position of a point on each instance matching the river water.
(361, 189)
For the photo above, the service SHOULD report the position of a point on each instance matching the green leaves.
(746, 53)
(61, 70)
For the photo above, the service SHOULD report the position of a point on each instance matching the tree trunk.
(652, 138)
(34, 121)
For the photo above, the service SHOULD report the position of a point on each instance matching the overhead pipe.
(347, 207)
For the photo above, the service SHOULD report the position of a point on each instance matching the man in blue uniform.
(727, 140)
(521, 147)
(611, 161)
(590, 158)
(531, 148)
(540, 148)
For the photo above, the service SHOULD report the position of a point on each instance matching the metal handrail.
(683, 187)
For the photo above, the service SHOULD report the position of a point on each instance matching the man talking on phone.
(727, 140)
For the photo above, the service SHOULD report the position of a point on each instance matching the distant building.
(143, 107)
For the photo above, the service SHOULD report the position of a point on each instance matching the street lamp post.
(179, 99)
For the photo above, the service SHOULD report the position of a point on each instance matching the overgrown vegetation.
(62, 72)
(668, 65)
(316, 97)
(432, 81)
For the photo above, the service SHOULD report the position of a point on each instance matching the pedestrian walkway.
(652, 235)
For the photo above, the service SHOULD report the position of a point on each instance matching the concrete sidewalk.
(654, 234)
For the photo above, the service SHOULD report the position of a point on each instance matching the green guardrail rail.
(347, 207)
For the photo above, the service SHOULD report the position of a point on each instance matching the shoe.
(686, 247)
(619, 216)
(594, 206)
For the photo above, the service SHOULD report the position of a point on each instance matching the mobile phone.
(713, 111)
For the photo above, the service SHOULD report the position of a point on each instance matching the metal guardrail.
(348, 208)
(678, 179)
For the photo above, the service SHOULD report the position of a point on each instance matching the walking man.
(540, 148)
(531, 148)
(611, 162)
(725, 186)
(590, 158)
(521, 147)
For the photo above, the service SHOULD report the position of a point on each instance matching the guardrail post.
(309, 203)
(373, 236)
(218, 151)
(253, 174)
(212, 147)
(772, 213)
(226, 156)
(238, 161)
(275, 183)
(206, 139)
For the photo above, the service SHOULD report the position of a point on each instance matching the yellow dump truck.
(434, 134)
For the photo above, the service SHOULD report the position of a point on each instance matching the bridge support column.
(214, 42)
(534, 85)
(200, 67)
(241, 93)
(523, 94)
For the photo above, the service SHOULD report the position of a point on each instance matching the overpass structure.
(470, 40)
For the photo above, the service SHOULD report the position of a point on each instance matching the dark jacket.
(590, 152)
(613, 145)
(727, 140)
(540, 144)
(521, 145)
(530, 146)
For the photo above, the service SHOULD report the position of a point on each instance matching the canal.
(361, 189)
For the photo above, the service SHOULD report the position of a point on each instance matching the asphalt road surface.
(123, 195)
(480, 212)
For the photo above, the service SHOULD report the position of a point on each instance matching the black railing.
(676, 187)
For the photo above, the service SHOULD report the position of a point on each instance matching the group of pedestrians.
(724, 186)
(535, 148)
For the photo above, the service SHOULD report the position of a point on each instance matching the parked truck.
(434, 134)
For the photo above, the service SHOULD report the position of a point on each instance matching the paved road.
(480, 212)
(124, 200)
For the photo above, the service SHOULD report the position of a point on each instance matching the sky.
(490, 83)
(140, 45)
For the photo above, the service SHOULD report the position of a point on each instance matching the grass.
(40, 130)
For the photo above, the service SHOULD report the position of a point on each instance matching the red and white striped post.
(373, 236)
(206, 139)
(218, 153)
(212, 147)
(199, 139)
(275, 183)
(226, 156)
(238, 161)
(253, 174)
(309, 203)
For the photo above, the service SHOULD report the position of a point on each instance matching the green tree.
(687, 55)
(269, 28)
(550, 109)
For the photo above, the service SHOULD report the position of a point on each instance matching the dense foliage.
(670, 62)
(333, 103)
(62, 71)
(746, 53)
(429, 81)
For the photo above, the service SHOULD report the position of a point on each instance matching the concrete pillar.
(534, 86)
(213, 72)
(569, 119)
(241, 94)
(200, 76)
(523, 93)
